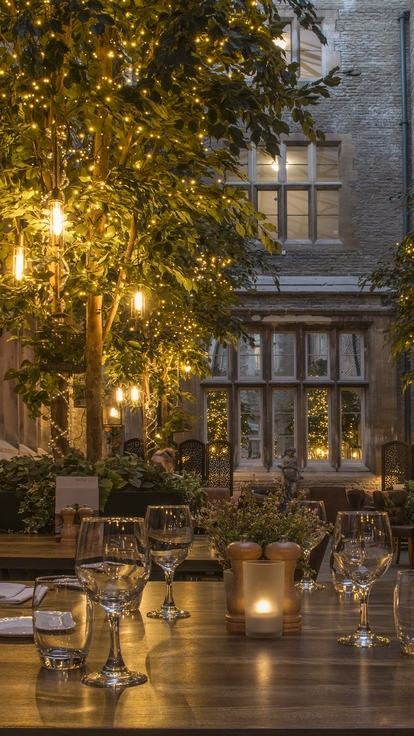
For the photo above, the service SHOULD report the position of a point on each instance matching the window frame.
(300, 384)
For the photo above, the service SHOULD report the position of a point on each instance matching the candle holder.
(263, 598)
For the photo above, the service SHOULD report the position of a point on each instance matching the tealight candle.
(263, 597)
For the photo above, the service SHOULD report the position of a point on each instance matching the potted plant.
(263, 522)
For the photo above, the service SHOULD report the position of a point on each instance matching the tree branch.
(121, 278)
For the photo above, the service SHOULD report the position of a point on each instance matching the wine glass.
(113, 565)
(363, 548)
(170, 534)
(318, 509)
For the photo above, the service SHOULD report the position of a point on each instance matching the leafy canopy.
(150, 103)
(396, 276)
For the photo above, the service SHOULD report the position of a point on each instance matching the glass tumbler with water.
(62, 622)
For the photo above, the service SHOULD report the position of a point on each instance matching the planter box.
(134, 503)
(10, 519)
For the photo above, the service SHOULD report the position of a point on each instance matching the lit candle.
(263, 597)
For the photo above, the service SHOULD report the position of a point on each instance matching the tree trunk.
(59, 420)
(94, 348)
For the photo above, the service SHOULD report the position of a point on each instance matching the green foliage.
(33, 480)
(138, 95)
(262, 522)
(408, 510)
(396, 276)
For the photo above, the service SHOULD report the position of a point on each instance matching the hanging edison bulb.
(56, 209)
(138, 303)
(19, 259)
(134, 394)
(119, 395)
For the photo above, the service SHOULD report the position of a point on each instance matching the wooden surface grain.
(34, 552)
(203, 680)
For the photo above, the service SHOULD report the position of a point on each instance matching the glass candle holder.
(404, 609)
(263, 598)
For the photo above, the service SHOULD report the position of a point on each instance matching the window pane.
(317, 354)
(218, 359)
(285, 43)
(216, 415)
(318, 448)
(327, 213)
(283, 355)
(266, 168)
(351, 402)
(297, 163)
(310, 54)
(249, 358)
(350, 356)
(231, 176)
(283, 421)
(297, 215)
(327, 163)
(267, 204)
(250, 425)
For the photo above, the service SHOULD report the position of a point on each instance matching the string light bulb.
(134, 394)
(119, 395)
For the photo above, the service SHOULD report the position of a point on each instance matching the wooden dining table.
(204, 680)
(41, 552)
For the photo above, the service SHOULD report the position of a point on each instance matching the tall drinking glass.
(362, 545)
(113, 565)
(318, 509)
(170, 534)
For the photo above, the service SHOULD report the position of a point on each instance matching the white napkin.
(9, 590)
(25, 595)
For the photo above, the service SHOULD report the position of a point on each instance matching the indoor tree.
(118, 122)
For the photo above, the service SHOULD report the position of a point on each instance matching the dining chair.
(355, 498)
(393, 502)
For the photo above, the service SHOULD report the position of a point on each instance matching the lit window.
(318, 424)
(298, 192)
(291, 388)
(216, 415)
(351, 422)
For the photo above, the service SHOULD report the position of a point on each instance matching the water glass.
(404, 609)
(62, 622)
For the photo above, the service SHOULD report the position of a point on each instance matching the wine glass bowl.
(113, 565)
(170, 535)
(318, 509)
(362, 548)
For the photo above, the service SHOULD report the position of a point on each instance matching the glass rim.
(169, 506)
(400, 573)
(363, 513)
(95, 519)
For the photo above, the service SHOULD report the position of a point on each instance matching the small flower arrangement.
(262, 521)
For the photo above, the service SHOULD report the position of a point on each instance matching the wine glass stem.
(114, 663)
(169, 600)
(363, 610)
(306, 576)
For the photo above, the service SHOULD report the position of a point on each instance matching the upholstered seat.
(393, 502)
